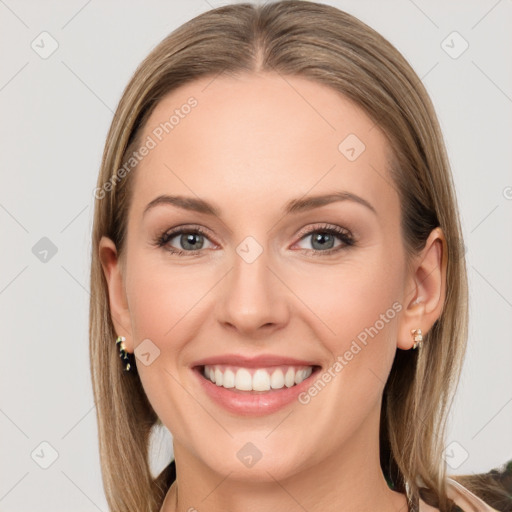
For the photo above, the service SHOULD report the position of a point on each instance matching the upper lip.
(260, 361)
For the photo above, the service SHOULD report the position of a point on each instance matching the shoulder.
(483, 491)
(465, 499)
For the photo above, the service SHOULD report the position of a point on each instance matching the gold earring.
(417, 337)
(124, 355)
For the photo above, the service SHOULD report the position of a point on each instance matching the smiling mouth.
(256, 380)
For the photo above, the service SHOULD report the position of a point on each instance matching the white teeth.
(243, 380)
(257, 379)
(261, 380)
(289, 378)
(302, 375)
(229, 379)
(277, 379)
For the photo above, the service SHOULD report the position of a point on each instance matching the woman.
(276, 239)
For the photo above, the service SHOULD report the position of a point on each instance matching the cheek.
(162, 298)
(164, 307)
(357, 309)
(168, 305)
(355, 296)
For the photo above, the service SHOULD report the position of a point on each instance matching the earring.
(417, 337)
(124, 355)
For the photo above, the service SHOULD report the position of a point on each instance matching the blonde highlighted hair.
(331, 47)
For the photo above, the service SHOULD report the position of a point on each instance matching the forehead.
(261, 139)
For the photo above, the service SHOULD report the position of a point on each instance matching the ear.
(425, 289)
(113, 270)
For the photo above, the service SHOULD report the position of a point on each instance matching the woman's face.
(267, 276)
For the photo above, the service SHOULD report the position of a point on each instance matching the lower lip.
(254, 403)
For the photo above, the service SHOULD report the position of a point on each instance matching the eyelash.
(341, 233)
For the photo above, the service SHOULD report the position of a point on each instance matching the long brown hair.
(331, 47)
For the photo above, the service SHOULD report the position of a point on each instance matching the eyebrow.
(293, 206)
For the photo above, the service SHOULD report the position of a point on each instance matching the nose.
(253, 298)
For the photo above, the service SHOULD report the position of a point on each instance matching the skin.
(249, 158)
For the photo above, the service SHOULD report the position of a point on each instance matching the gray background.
(55, 114)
